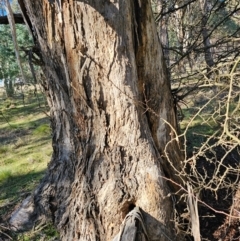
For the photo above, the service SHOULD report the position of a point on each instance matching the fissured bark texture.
(112, 116)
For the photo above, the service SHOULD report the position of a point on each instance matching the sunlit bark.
(112, 116)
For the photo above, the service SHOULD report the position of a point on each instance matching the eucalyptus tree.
(112, 112)
(113, 120)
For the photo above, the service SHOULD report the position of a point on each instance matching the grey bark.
(133, 227)
(112, 116)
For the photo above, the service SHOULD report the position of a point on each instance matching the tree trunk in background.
(163, 30)
(165, 39)
(180, 29)
(11, 21)
(112, 116)
(206, 39)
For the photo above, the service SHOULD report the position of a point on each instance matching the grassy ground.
(25, 150)
(196, 124)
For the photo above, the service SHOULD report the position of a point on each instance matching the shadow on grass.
(13, 108)
(14, 188)
(13, 191)
(27, 124)
(26, 110)
(14, 132)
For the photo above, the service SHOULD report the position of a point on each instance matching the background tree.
(8, 84)
(8, 64)
(205, 76)
(211, 35)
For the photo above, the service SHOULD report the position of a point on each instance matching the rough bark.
(112, 116)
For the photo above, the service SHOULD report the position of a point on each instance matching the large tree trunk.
(112, 116)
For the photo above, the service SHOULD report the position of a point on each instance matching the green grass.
(198, 126)
(3, 149)
(42, 233)
(42, 130)
(25, 150)
(5, 174)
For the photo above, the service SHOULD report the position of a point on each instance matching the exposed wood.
(133, 227)
(193, 210)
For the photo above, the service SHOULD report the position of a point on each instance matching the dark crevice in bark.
(153, 98)
(136, 9)
(53, 12)
(127, 207)
(53, 207)
(87, 85)
(146, 89)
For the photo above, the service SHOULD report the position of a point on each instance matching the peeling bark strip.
(111, 110)
(133, 227)
(193, 210)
